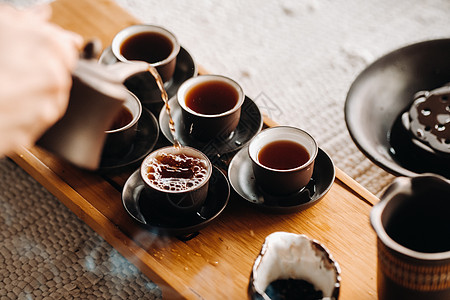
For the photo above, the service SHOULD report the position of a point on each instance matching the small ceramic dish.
(293, 266)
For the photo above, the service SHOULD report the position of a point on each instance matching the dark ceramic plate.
(240, 174)
(249, 125)
(145, 141)
(382, 92)
(137, 201)
(184, 69)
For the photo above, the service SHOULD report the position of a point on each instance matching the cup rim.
(377, 224)
(132, 30)
(135, 117)
(200, 153)
(301, 167)
(193, 81)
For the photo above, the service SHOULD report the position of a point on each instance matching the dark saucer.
(145, 141)
(184, 69)
(240, 174)
(249, 125)
(135, 196)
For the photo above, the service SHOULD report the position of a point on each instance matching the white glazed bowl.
(287, 255)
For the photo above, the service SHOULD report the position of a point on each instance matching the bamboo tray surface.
(217, 262)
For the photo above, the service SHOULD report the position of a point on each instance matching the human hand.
(36, 61)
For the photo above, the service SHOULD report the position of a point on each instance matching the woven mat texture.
(295, 59)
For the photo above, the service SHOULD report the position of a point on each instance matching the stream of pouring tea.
(165, 98)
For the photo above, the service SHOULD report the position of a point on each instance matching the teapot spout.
(122, 71)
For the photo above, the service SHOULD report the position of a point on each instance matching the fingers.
(41, 12)
(37, 59)
(66, 44)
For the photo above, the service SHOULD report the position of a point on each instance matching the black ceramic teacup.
(152, 44)
(210, 106)
(122, 132)
(283, 159)
(412, 224)
(177, 177)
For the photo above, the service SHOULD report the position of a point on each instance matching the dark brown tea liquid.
(405, 151)
(165, 98)
(290, 289)
(283, 155)
(423, 223)
(150, 47)
(212, 97)
(123, 118)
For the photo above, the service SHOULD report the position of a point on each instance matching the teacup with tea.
(210, 106)
(154, 45)
(282, 159)
(150, 43)
(178, 178)
(122, 131)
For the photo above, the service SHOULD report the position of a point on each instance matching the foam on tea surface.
(176, 172)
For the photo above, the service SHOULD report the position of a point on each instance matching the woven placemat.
(46, 252)
(295, 59)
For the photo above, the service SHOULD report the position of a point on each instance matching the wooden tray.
(215, 264)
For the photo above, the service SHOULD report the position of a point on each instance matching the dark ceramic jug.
(412, 223)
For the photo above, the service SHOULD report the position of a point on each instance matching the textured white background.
(296, 59)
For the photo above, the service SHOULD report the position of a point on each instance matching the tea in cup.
(178, 178)
(210, 106)
(282, 159)
(152, 44)
(122, 131)
(413, 239)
